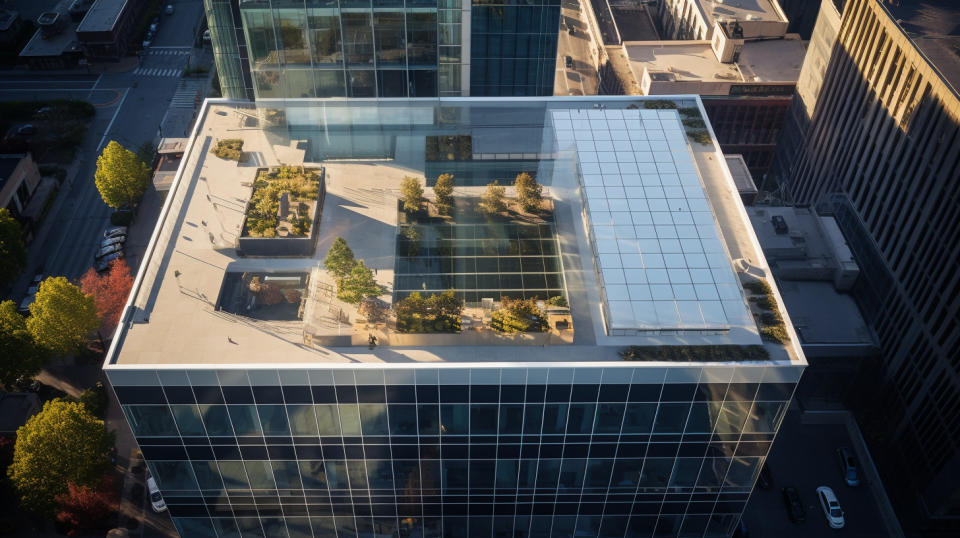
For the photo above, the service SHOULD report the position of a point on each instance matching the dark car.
(793, 504)
(568, 61)
(765, 480)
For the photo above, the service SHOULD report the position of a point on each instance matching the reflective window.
(422, 38)
(188, 419)
(765, 417)
(244, 418)
(454, 419)
(260, 474)
(234, 476)
(173, 474)
(581, 418)
(429, 418)
(216, 420)
(361, 83)
(373, 417)
(626, 474)
(286, 475)
(598, 474)
(656, 472)
(638, 417)
(337, 474)
(554, 418)
(150, 420)
(328, 420)
(685, 472)
(671, 417)
(358, 38)
(313, 474)
(302, 419)
(511, 419)
(403, 419)
(274, 420)
(389, 29)
(349, 419)
(208, 476)
(380, 474)
(483, 419)
(609, 417)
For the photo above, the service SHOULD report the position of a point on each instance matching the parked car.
(848, 466)
(169, 9)
(24, 307)
(147, 40)
(27, 130)
(105, 251)
(114, 231)
(793, 504)
(104, 263)
(568, 61)
(831, 507)
(115, 240)
(765, 478)
(206, 36)
(155, 25)
(572, 30)
(156, 500)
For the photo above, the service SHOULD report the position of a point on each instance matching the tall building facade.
(645, 405)
(387, 48)
(880, 150)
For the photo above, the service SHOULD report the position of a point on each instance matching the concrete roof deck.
(764, 10)
(775, 60)
(102, 16)
(174, 321)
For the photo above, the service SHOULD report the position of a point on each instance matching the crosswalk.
(167, 52)
(157, 72)
(186, 93)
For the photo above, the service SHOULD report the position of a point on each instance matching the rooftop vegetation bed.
(230, 149)
(436, 313)
(283, 202)
(518, 316)
(769, 320)
(694, 353)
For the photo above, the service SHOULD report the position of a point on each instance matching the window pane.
(626, 474)
(150, 420)
(555, 418)
(571, 475)
(482, 474)
(403, 419)
(598, 473)
(234, 477)
(483, 419)
(454, 475)
(429, 418)
(533, 418)
(313, 474)
(374, 419)
(207, 475)
(173, 474)
(685, 472)
(454, 419)
(327, 419)
(609, 417)
(286, 474)
(506, 474)
(547, 473)
(357, 473)
(742, 473)
(511, 419)
(188, 419)
(260, 474)
(379, 474)
(671, 417)
(274, 419)
(349, 419)
(216, 420)
(765, 417)
(581, 418)
(656, 472)
(732, 416)
(700, 420)
(337, 475)
(245, 421)
(302, 419)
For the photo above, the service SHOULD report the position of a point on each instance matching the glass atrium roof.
(661, 262)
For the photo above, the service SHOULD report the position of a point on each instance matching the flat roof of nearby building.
(824, 316)
(7, 18)
(742, 177)
(102, 16)
(65, 41)
(774, 60)
(932, 25)
(742, 10)
(174, 319)
(9, 163)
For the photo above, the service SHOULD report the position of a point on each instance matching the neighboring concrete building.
(10, 26)
(696, 19)
(746, 86)
(880, 152)
(19, 179)
(107, 28)
(54, 45)
(16, 408)
(417, 49)
(283, 417)
(169, 154)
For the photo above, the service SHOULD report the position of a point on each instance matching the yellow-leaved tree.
(121, 176)
(61, 317)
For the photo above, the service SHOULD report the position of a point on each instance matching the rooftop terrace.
(688, 246)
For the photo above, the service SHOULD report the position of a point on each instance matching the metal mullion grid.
(346, 461)
(416, 413)
(210, 444)
(313, 411)
(649, 442)
(592, 423)
(269, 461)
(393, 482)
(439, 448)
(182, 444)
(295, 458)
(619, 437)
(336, 397)
(703, 458)
(523, 425)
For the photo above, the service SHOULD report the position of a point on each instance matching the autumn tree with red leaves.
(83, 509)
(109, 292)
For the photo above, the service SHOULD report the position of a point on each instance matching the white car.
(169, 9)
(156, 500)
(831, 507)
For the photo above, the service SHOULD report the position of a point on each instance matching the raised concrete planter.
(280, 247)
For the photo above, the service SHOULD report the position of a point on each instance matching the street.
(581, 79)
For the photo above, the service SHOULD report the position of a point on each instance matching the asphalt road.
(581, 79)
(804, 456)
(129, 108)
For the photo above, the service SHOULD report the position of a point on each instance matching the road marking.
(109, 125)
(178, 47)
(94, 86)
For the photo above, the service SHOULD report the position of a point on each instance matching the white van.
(156, 500)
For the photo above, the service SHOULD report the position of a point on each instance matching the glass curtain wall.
(345, 48)
(223, 19)
(458, 453)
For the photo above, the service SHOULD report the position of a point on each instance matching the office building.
(644, 407)
(390, 48)
(696, 19)
(879, 150)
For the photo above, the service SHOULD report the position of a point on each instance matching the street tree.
(412, 193)
(529, 192)
(62, 443)
(109, 293)
(358, 285)
(493, 199)
(19, 355)
(339, 261)
(84, 508)
(121, 176)
(13, 253)
(62, 316)
(443, 189)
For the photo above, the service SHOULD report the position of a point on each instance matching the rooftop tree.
(358, 285)
(493, 200)
(529, 192)
(443, 189)
(412, 193)
(339, 261)
(121, 176)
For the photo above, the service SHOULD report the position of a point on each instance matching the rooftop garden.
(283, 203)
(694, 353)
(769, 320)
(518, 316)
(690, 116)
(230, 149)
(435, 313)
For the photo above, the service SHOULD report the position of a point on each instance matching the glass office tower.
(383, 48)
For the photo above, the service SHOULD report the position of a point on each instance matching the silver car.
(107, 250)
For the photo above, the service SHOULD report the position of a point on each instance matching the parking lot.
(804, 456)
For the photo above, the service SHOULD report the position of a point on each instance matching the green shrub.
(95, 400)
(659, 104)
(689, 111)
(437, 313)
(694, 122)
(518, 316)
(758, 287)
(230, 149)
(694, 353)
(701, 136)
(775, 333)
(557, 300)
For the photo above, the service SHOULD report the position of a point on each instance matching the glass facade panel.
(435, 460)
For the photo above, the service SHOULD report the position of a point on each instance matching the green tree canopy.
(61, 317)
(339, 261)
(358, 285)
(62, 443)
(19, 356)
(493, 199)
(412, 193)
(529, 192)
(443, 189)
(13, 253)
(121, 176)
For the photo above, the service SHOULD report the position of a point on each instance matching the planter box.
(281, 247)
